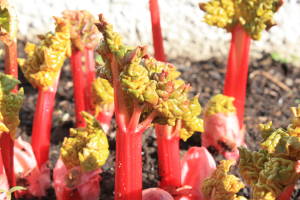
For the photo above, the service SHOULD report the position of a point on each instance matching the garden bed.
(272, 88)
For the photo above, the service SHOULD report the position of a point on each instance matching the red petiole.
(78, 75)
(168, 156)
(90, 77)
(42, 122)
(237, 69)
(156, 31)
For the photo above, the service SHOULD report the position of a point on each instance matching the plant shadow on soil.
(272, 88)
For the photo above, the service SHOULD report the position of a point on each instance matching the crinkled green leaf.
(86, 147)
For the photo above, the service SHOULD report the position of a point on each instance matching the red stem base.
(7, 152)
(128, 177)
(168, 157)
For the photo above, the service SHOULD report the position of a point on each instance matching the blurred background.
(186, 36)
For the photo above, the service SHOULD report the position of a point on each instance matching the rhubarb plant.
(42, 69)
(221, 127)
(85, 38)
(8, 35)
(245, 19)
(76, 174)
(10, 105)
(146, 91)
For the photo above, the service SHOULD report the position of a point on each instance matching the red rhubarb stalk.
(156, 31)
(79, 85)
(7, 145)
(42, 123)
(10, 60)
(3, 178)
(90, 77)
(237, 70)
(168, 157)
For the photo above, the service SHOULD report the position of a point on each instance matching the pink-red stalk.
(168, 157)
(6, 142)
(156, 31)
(78, 75)
(41, 129)
(90, 77)
(7, 151)
(237, 70)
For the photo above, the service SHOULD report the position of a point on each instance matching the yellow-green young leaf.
(10, 104)
(277, 174)
(103, 95)
(222, 185)
(280, 143)
(254, 15)
(43, 63)
(220, 104)
(153, 84)
(8, 23)
(251, 163)
(86, 147)
(84, 33)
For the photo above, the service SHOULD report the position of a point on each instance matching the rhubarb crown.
(254, 15)
(84, 33)
(220, 104)
(8, 23)
(43, 63)
(102, 95)
(153, 84)
(222, 185)
(10, 104)
(86, 147)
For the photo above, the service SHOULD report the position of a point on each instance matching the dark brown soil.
(272, 88)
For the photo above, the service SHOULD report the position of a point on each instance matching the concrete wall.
(185, 35)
